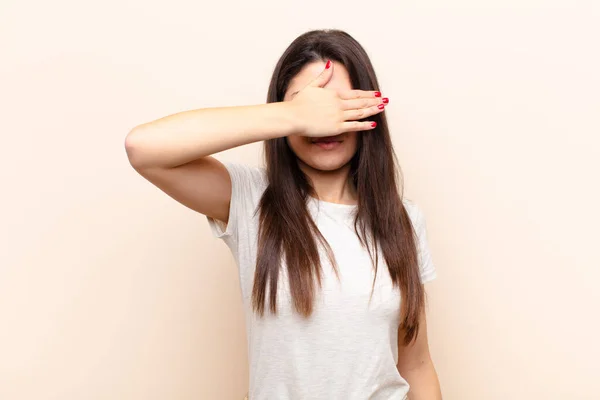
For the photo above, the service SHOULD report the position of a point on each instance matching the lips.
(327, 139)
(328, 143)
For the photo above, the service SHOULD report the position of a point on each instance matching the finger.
(357, 126)
(364, 102)
(358, 94)
(352, 115)
(324, 76)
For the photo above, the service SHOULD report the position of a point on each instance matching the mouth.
(327, 142)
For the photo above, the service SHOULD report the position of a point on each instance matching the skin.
(175, 154)
(415, 365)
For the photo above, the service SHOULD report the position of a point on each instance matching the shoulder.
(247, 176)
(248, 183)
(253, 173)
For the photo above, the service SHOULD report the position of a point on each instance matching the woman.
(331, 259)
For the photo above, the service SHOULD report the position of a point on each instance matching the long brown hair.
(286, 230)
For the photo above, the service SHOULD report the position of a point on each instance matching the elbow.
(134, 147)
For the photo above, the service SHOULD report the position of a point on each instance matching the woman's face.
(322, 156)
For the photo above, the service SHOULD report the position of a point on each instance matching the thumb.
(324, 76)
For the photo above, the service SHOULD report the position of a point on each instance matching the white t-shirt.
(348, 348)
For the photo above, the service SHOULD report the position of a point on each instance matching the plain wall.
(111, 290)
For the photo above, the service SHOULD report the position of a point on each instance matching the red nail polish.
(381, 106)
(328, 64)
(377, 94)
(385, 100)
(373, 124)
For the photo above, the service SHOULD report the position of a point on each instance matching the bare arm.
(177, 139)
(174, 152)
(415, 365)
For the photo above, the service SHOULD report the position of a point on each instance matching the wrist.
(290, 118)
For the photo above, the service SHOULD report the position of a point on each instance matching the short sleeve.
(426, 266)
(247, 185)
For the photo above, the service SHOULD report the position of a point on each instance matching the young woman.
(332, 260)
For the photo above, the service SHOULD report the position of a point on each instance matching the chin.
(326, 164)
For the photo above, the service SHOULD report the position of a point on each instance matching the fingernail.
(373, 124)
(381, 106)
(385, 100)
(377, 94)
(328, 64)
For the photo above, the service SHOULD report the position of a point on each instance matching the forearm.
(423, 381)
(190, 135)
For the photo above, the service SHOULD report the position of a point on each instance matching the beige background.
(111, 290)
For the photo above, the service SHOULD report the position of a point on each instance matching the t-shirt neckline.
(331, 204)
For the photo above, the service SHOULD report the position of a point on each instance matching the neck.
(331, 186)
